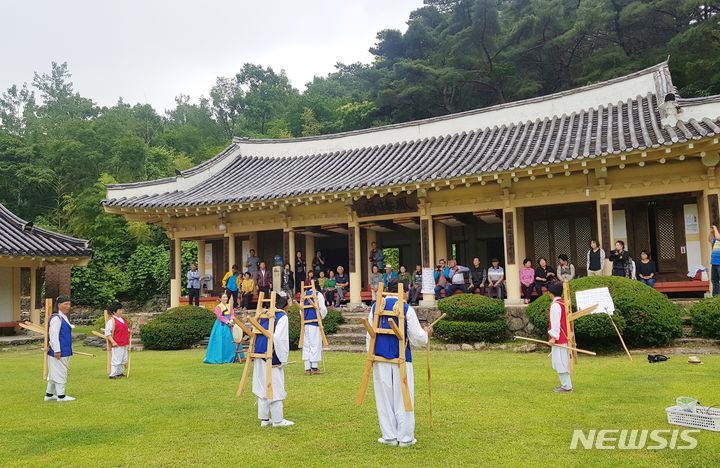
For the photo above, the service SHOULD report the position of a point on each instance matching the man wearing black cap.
(59, 350)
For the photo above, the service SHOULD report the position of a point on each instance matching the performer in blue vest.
(59, 350)
(270, 411)
(396, 425)
(312, 341)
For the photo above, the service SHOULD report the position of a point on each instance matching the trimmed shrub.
(471, 318)
(178, 328)
(471, 308)
(644, 316)
(330, 323)
(470, 332)
(706, 317)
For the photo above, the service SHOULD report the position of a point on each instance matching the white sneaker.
(408, 444)
(283, 423)
(50, 398)
(265, 423)
(392, 443)
(66, 398)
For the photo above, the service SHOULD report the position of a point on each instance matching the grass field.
(490, 408)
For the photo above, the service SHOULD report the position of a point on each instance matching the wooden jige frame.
(397, 329)
(261, 312)
(312, 304)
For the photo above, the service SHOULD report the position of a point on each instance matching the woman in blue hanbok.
(221, 347)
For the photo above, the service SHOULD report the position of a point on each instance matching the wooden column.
(201, 261)
(708, 214)
(309, 251)
(34, 311)
(370, 237)
(605, 230)
(231, 254)
(427, 254)
(354, 263)
(292, 250)
(440, 240)
(514, 242)
(175, 271)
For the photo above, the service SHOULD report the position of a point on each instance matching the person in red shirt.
(557, 332)
(118, 333)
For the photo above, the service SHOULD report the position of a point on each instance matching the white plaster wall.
(619, 231)
(693, 239)
(6, 294)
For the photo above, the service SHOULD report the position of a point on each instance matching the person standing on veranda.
(263, 280)
(397, 426)
(595, 259)
(59, 351)
(193, 285)
(300, 271)
(714, 239)
(118, 333)
(287, 282)
(252, 262)
(231, 284)
(621, 260)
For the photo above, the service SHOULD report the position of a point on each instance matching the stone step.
(351, 328)
(348, 348)
(347, 338)
(693, 341)
(684, 303)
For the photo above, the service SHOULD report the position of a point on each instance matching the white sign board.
(428, 281)
(598, 296)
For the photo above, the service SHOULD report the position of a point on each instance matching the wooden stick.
(619, 336)
(130, 350)
(46, 345)
(569, 348)
(437, 320)
(244, 327)
(98, 334)
(83, 354)
(32, 327)
(379, 306)
(108, 346)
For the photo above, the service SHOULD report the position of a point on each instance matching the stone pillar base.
(514, 301)
(428, 300)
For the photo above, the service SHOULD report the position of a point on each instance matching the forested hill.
(58, 148)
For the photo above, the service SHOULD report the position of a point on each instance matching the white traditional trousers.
(269, 409)
(57, 375)
(312, 346)
(395, 422)
(119, 360)
(561, 365)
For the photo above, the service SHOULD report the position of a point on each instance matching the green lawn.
(490, 408)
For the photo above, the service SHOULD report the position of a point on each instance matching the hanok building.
(623, 159)
(43, 254)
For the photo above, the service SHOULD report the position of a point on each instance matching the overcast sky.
(152, 50)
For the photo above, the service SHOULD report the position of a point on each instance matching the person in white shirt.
(59, 350)
(457, 278)
(118, 334)
(397, 426)
(557, 331)
(270, 410)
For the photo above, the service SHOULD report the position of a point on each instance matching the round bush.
(644, 316)
(178, 328)
(706, 317)
(471, 308)
(470, 332)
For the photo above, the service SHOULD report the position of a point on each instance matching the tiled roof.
(633, 123)
(17, 238)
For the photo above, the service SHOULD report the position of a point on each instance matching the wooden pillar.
(34, 311)
(175, 271)
(708, 214)
(427, 254)
(605, 231)
(231, 254)
(292, 250)
(309, 251)
(354, 263)
(440, 240)
(514, 242)
(201, 262)
(17, 293)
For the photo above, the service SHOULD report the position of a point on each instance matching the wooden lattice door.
(671, 250)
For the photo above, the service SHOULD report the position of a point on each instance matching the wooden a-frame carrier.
(397, 329)
(312, 303)
(260, 313)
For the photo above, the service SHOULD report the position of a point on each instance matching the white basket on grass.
(701, 417)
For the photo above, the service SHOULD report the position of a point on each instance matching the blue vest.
(261, 341)
(388, 346)
(310, 314)
(65, 337)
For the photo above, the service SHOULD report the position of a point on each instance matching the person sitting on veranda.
(441, 275)
(375, 279)
(527, 280)
(496, 279)
(565, 270)
(456, 281)
(478, 277)
(330, 288)
(646, 269)
(342, 285)
(544, 274)
(389, 275)
(416, 286)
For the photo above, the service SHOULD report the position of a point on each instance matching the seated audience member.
(527, 280)
(478, 277)
(375, 279)
(543, 275)
(416, 286)
(330, 291)
(457, 278)
(645, 269)
(496, 279)
(389, 275)
(405, 278)
(565, 270)
(342, 285)
(441, 274)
